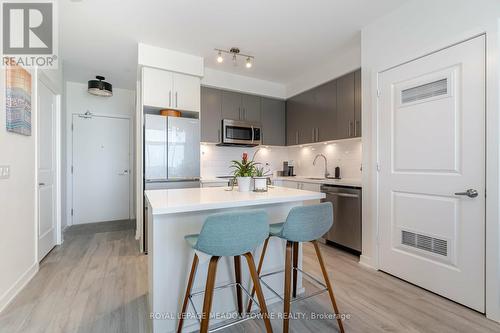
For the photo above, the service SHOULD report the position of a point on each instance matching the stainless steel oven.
(346, 229)
(240, 133)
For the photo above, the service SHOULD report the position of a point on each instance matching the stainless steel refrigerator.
(171, 152)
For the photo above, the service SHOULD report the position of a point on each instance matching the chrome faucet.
(326, 164)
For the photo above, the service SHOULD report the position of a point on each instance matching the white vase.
(244, 184)
(260, 184)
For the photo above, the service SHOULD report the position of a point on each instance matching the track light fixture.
(234, 51)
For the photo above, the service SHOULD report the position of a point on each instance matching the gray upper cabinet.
(238, 106)
(211, 110)
(250, 108)
(231, 105)
(273, 121)
(300, 118)
(345, 106)
(326, 108)
(328, 112)
(357, 103)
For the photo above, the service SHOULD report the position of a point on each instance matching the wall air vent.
(423, 242)
(424, 91)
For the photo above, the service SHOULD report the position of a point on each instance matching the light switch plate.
(4, 171)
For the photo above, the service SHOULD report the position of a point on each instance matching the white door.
(101, 169)
(432, 148)
(47, 185)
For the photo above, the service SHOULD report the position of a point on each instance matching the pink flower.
(245, 157)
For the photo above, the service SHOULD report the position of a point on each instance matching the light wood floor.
(97, 282)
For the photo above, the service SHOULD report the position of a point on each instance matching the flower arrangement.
(245, 168)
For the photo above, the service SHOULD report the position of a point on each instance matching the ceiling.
(287, 37)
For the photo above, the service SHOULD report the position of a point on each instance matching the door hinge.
(71, 169)
(71, 211)
(378, 93)
(71, 126)
(378, 167)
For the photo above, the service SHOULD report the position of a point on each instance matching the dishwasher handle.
(344, 195)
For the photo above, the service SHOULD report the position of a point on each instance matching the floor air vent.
(423, 242)
(424, 91)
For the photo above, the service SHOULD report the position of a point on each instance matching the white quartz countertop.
(343, 182)
(173, 201)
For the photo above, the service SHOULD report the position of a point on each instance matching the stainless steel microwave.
(240, 133)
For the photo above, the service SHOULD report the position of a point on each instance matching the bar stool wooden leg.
(237, 274)
(286, 305)
(295, 265)
(259, 269)
(188, 292)
(329, 285)
(258, 290)
(209, 293)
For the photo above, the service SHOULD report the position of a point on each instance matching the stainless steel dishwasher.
(346, 229)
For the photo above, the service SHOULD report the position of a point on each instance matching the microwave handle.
(253, 134)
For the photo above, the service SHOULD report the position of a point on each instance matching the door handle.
(41, 184)
(125, 172)
(170, 98)
(471, 193)
(176, 99)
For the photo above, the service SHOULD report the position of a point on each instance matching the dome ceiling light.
(100, 87)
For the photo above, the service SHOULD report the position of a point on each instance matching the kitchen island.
(174, 213)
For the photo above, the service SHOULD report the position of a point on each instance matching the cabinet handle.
(350, 129)
(176, 99)
(170, 98)
(313, 135)
(358, 124)
(244, 114)
(218, 135)
(239, 113)
(296, 137)
(317, 134)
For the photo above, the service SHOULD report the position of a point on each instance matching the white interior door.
(431, 149)
(101, 169)
(47, 185)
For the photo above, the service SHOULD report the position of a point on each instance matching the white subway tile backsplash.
(346, 154)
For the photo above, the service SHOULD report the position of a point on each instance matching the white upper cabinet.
(164, 89)
(187, 92)
(157, 87)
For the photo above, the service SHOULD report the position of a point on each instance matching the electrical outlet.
(4, 171)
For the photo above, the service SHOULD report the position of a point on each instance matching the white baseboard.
(23, 280)
(366, 261)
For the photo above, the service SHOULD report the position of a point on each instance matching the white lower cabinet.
(298, 185)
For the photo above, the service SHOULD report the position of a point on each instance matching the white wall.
(345, 61)
(224, 80)
(79, 101)
(17, 203)
(18, 218)
(415, 29)
(345, 154)
(215, 160)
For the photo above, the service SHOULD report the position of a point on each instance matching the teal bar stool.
(231, 234)
(303, 224)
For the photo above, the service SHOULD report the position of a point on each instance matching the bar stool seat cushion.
(231, 233)
(305, 223)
